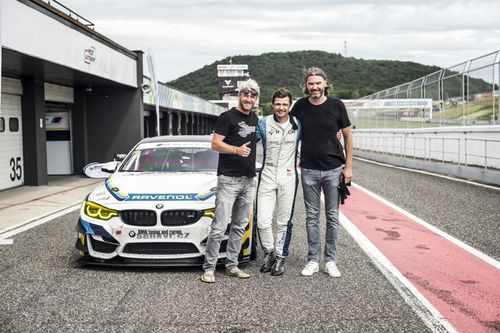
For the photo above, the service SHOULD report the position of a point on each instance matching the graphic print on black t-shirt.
(321, 150)
(238, 129)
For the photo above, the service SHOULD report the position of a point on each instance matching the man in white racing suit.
(278, 181)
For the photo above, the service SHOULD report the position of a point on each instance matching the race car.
(156, 208)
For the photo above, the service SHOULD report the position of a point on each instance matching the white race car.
(156, 208)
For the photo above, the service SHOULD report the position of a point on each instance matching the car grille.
(141, 218)
(160, 248)
(103, 247)
(180, 217)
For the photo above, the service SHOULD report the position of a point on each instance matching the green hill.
(350, 77)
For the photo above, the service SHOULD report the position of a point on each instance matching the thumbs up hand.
(244, 150)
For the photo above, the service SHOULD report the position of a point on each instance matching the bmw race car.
(156, 208)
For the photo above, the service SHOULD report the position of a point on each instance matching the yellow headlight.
(99, 212)
(209, 212)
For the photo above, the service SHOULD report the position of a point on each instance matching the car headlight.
(209, 212)
(99, 212)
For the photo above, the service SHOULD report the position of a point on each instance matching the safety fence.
(463, 148)
(464, 94)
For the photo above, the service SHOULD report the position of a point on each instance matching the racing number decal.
(17, 171)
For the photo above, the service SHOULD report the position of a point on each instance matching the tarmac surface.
(44, 289)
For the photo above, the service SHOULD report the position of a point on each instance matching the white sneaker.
(331, 269)
(311, 268)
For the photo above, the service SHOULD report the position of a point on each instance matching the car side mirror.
(110, 167)
(120, 157)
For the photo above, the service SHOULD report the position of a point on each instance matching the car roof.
(178, 138)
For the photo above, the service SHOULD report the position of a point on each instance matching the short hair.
(317, 72)
(282, 93)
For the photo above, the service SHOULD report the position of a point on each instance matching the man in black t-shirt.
(235, 140)
(322, 161)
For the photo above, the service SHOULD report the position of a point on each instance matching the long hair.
(319, 72)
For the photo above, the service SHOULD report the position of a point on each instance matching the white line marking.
(6, 241)
(431, 317)
(434, 229)
(423, 308)
(429, 173)
(26, 225)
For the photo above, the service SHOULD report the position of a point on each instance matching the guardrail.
(464, 94)
(460, 151)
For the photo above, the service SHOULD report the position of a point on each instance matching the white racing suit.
(277, 182)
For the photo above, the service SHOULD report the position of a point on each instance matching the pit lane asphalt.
(468, 212)
(43, 288)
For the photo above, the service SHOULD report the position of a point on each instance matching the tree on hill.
(350, 77)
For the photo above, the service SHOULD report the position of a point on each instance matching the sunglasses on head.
(246, 91)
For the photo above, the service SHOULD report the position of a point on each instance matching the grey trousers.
(313, 181)
(233, 203)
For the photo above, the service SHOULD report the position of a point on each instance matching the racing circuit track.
(44, 289)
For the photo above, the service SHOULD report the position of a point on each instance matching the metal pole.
(465, 151)
(442, 149)
(486, 154)
(463, 100)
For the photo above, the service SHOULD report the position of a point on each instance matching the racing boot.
(278, 267)
(269, 259)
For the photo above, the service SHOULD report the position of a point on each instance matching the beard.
(316, 94)
(246, 106)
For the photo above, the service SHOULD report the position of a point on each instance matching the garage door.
(11, 143)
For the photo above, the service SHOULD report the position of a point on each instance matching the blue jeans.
(233, 203)
(313, 181)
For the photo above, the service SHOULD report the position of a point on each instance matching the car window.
(171, 159)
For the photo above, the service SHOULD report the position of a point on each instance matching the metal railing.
(459, 151)
(59, 6)
(463, 94)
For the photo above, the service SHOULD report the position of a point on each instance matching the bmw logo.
(159, 206)
(131, 233)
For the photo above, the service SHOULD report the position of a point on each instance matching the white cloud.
(190, 34)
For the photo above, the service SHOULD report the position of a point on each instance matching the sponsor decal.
(162, 234)
(89, 55)
(121, 196)
(163, 197)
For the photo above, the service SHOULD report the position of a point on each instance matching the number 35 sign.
(16, 169)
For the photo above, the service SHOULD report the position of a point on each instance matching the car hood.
(121, 187)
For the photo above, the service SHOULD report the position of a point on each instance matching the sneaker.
(278, 267)
(269, 259)
(331, 269)
(311, 268)
(237, 273)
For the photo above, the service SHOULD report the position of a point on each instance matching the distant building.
(230, 77)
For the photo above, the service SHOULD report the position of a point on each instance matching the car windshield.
(171, 159)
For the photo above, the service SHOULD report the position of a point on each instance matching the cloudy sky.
(186, 35)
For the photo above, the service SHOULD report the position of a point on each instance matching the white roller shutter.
(11, 142)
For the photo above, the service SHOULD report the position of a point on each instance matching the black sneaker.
(269, 259)
(278, 267)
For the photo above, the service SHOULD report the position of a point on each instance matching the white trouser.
(279, 196)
